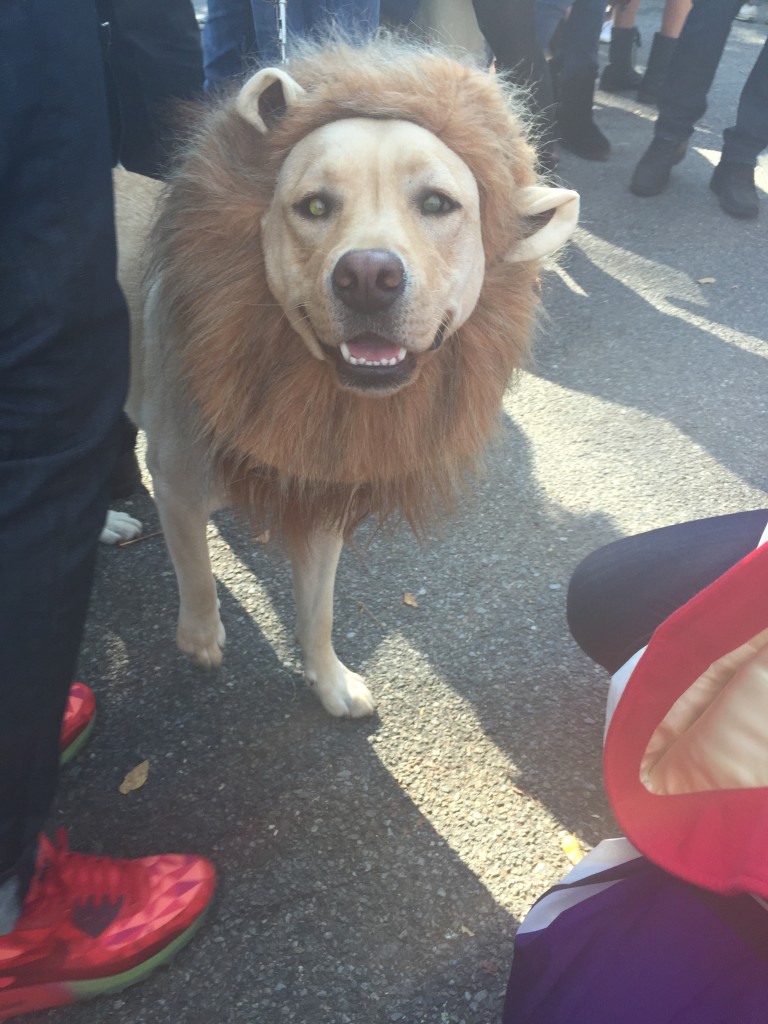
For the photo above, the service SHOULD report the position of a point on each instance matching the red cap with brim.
(686, 755)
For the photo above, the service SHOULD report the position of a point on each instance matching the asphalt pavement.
(375, 871)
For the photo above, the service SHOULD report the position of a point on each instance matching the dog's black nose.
(368, 280)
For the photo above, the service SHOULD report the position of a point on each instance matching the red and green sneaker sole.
(77, 743)
(17, 1001)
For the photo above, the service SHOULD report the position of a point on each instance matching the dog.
(328, 300)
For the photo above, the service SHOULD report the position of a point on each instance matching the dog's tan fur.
(243, 404)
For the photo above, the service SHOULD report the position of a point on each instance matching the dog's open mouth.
(369, 362)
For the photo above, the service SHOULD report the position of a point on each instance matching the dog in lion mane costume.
(247, 403)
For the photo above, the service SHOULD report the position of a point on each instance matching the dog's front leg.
(314, 573)
(200, 631)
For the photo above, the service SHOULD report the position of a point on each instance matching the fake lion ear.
(562, 205)
(266, 96)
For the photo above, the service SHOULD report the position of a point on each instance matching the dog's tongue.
(372, 349)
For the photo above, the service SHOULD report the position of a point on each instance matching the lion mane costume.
(287, 445)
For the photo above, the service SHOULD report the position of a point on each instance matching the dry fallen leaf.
(707, 280)
(410, 600)
(135, 778)
(571, 847)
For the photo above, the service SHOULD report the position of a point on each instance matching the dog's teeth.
(354, 361)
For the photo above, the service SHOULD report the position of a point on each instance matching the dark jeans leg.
(744, 143)
(63, 374)
(549, 14)
(509, 27)
(357, 19)
(229, 40)
(156, 60)
(619, 594)
(683, 95)
(265, 25)
(582, 38)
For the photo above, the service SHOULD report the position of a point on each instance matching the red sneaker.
(79, 718)
(91, 925)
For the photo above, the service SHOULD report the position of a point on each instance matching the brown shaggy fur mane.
(288, 445)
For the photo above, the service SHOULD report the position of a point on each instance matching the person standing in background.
(683, 100)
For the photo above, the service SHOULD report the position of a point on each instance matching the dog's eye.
(314, 207)
(436, 202)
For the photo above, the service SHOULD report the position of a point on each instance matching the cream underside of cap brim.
(715, 736)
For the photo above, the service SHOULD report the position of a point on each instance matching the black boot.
(576, 128)
(619, 74)
(734, 185)
(652, 172)
(662, 49)
(125, 478)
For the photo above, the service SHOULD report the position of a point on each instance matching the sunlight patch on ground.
(613, 460)
(569, 282)
(462, 782)
(660, 285)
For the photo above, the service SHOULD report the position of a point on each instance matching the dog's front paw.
(119, 526)
(342, 693)
(203, 643)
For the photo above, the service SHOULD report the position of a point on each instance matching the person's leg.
(398, 12)
(673, 17)
(683, 93)
(625, 14)
(576, 82)
(619, 74)
(734, 178)
(683, 98)
(663, 46)
(357, 19)
(743, 143)
(63, 375)
(581, 40)
(229, 41)
(549, 14)
(156, 59)
(264, 13)
(620, 593)
(510, 31)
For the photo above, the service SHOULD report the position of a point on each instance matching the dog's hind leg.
(200, 631)
(341, 691)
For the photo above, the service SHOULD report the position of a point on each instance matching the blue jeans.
(63, 376)
(239, 33)
(154, 58)
(236, 33)
(683, 97)
(582, 33)
(355, 18)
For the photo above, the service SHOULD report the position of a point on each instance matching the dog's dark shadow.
(358, 870)
(338, 898)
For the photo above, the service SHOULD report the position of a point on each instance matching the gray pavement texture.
(376, 871)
